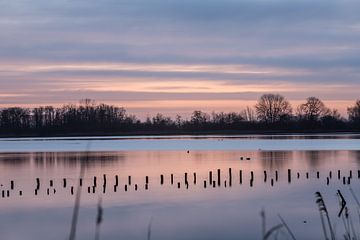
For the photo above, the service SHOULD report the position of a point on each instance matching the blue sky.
(176, 56)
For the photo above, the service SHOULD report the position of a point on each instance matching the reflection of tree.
(275, 160)
(14, 159)
(64, 159)
(74, 159)
(318, 158)
(356, 156)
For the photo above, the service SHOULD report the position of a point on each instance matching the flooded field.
(176, 187)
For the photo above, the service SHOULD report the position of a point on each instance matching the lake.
(176, 187)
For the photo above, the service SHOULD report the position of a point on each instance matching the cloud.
(177, 50)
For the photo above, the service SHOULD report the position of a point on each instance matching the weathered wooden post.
(38, 183)
(265, 175)
(12, 185)
(194, 178)
(116, 180)
(219, 177)
(172, 179)
(210, 177)
(64, 182)
(129, 180)
(240, 176)
(161, 179)
(289, 175)
(230, 177)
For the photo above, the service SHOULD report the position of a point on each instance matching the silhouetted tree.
(272, 108)
(199, 118)
(354, 112)
(249, 114)
(313, 109)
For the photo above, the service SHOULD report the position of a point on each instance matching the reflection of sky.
(194, 213)
(175, 56)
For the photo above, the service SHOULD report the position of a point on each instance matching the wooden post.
(186, 179)
(161, 179)
(178, 184)
(204, 184)
(276, 175)
(210, 177)
(146, 186)
(104, 176)
(126, 188)
(64, 182)
(289, 175)
(265, 176)
(51, 183)
(72, 190)
(230, 177)
(307, 175)
(218, 177)
(147, 179)
(20, 193)
(12, 185)
(95, 181)
(194, 178)
(350, 173)
(116, 180)
(330, 174)
(339, 174)
(240, 176)
(80, 182)
(136, 187)
(37, 183)
(129, 180)
(172, 179)
(298, 175)
(318, 174)
(272, 182)
(327, 181)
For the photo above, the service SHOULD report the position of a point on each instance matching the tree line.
(272, 113)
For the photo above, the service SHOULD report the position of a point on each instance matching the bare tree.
(248, 114)
(272, 108)
(313, 109)
(354, 112)
(199, 118)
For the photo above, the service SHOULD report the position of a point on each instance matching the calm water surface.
(176, 210)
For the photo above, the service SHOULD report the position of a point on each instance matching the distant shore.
(168, 133)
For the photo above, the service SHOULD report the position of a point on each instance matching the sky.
(176, 56)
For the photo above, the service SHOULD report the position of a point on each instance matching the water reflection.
(228, 209)
(275, 160)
